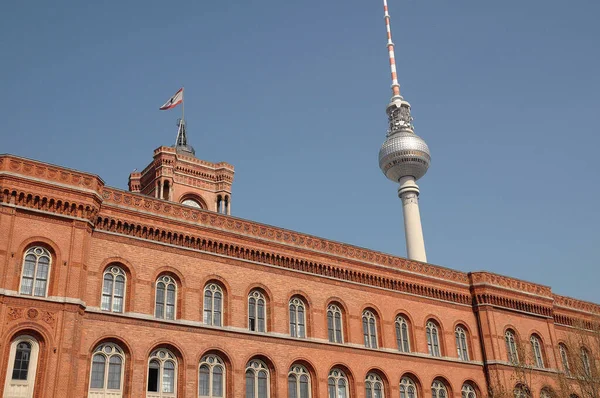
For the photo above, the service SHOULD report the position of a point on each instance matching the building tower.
(404, 157)
(176, 174)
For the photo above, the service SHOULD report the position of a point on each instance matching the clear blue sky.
(293, 94)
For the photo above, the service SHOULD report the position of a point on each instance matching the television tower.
(404, 157)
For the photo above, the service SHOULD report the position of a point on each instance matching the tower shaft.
(415, 244)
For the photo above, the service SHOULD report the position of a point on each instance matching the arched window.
(546, 393)
(337, 384)
(438, 390)
(402, 336)
(257, 380)
(191, 203)
(166, 297)
(374, 386)
(334, 324)
(298, 382)
(468, 391)
(408, 389)
(521, 391)
(564, 357)
(369, 329)
(511, 347)
(211, 377)
(162, 374)
(297, 318)
(433, 340)
(106, 377)
(536, 347)
(585, 362)
(36, 269)
(461, 343)
(22, 366)
(113, 289)
(213, 305)
(257, 312)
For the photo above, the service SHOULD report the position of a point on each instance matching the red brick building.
(110, 293)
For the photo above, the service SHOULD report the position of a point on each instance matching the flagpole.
(182, 104)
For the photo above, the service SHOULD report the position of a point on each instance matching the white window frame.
(564, 357)
(439, 389)
(38, 252)
(402, 333)
(373, 381)
(336, 375)
(468, 391)
(257, 295)
(114, 271)
(166, 280)
(256, 366)
(212, 361)
(107, 350)
(538, 355)
(22, 388)
(297, 371)
(432, 333)
(405, 384)
(213, 288)
(370, 337)
(297, 326)
(511, 347)
(162, 355)
(335, 310)
(462, 346)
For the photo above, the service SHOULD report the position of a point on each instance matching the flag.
(173, 101)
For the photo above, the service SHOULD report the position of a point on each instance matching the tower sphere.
(403, 153)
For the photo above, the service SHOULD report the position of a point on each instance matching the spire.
(181, 144)
(390, 47)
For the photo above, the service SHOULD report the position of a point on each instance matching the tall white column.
(409, 193)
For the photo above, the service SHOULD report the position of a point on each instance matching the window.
(22, 366)
(585, 362)
(298, 382)
(334, 324)
(521, 391)
(337, 384)
(297, 318)
(211, 377)
(408, 389)
(36, 268)
(461, 343)
(537, 351)
(213, 305)
(433, 342)
(256, 312)
(166, 295)
(162, 374)
(468, 391)
(113, 289)
(106, 377)
(257, 380)
(511, 347)
(369, 329)
(564, 359)
(402, 338)
(374, 386)
(191, 203)
(438, 390)
(546, 393)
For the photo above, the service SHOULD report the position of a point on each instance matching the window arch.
(408, 389)
(511, 347)
(337, 384)
(213, 305)
(461, 343)
(468, 391)
(334, 324)
(106, 376)
(433, 339)
(546, 393)
(369, 329)
(257, 318)
(162, 374)
(402, 334)
(521, 391)
(166, 298)
(299, 385)
(374, 386)
(585, 361)
(438, 390)
(211, 377)
(113, 289)
(257, 380)
(36, 271)
(297, 318)
(536, 348)
(564, 357)
(22, 367)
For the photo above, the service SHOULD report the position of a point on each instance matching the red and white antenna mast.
(390, 46)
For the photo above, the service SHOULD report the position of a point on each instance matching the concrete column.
(409, 193)
(157, 190)
(229, 206)
(161, 184)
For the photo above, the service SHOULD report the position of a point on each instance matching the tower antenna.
(390, 47)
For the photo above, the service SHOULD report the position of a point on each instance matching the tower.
(176, 174)
(404, 157)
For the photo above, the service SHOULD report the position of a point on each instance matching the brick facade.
(87, 227)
